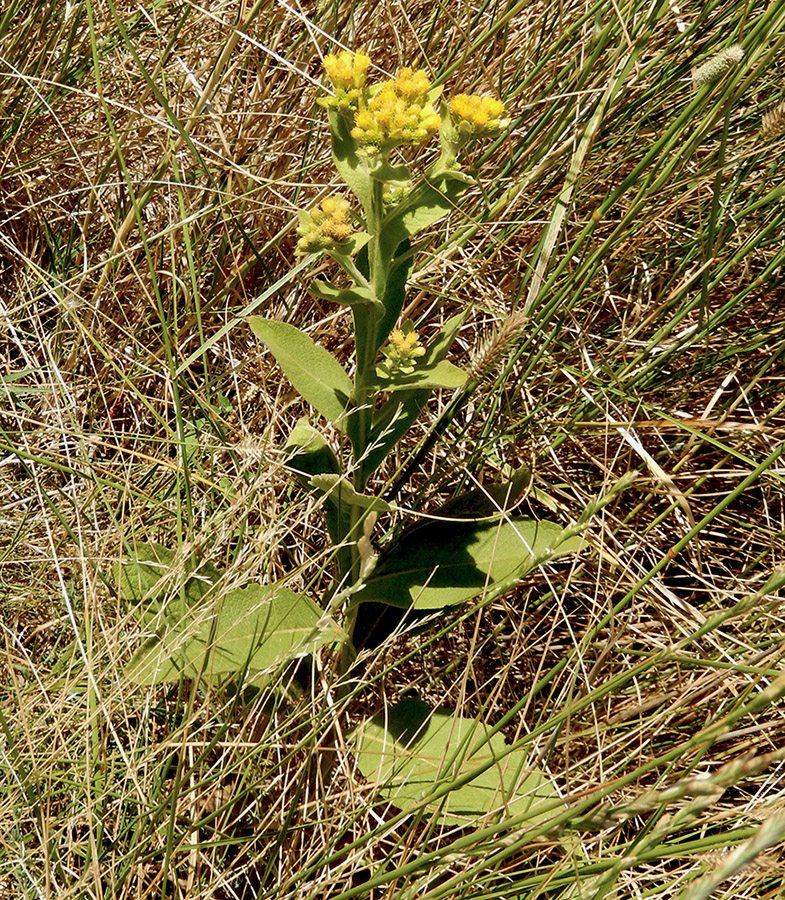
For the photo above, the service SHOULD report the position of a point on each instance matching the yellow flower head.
(475, 116)
(399, 113)
(325, 226)
(402, 351)
(347, 71)
(412, 86)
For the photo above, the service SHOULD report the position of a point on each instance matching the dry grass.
(151, 163)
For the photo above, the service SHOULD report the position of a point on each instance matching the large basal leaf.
(319, 377)
(489, 500)
(410, 753)
(250, 630)
(445, 563)
(341, 492)
(144, 578)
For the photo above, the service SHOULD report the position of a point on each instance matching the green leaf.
(383, 171)
(440, 375)
(445, 563)
(489, 500)
(399, 413)
(411, 753)
(341, 492)
(394, 292)
(311, 455)
(308, 453)
(348, 163)
(144, 578)
(318, 377)
(251, 630)
(358, 296)
(431, 200)
(351, 247)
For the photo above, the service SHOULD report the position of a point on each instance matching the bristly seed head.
(717, 66)
(772, 124)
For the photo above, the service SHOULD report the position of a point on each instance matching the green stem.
(366, 347)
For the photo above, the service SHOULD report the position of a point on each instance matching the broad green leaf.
(396, 416)
(343, 493)
(311, 455)
(394, 292)
(432, 199)
(250, 630)
(144, 578)
(318, 377)
(410, 753)
(442, 374)
(390, 424)
(383, 171)
(358, 296)
(353, 246)
(308, 453)
(348, 163)
(489, 500)
(445, 563)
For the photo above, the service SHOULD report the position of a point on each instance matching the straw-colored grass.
(622, 259)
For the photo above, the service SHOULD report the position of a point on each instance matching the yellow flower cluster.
(475, 116)
(407, 346)
(347, 71)
(402, 351)
(399, 113)
(325, 226)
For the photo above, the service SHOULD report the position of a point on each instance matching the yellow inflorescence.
(477, 116)
(399, 113)
(412, 86)
(402, 351)
(347, 72)
(325, 226)
(407, 346)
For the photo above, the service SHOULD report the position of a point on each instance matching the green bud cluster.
(325, 227)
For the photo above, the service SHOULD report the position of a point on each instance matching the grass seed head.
(713, 69)
(772, 124)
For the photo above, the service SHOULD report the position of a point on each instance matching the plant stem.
(366, 339)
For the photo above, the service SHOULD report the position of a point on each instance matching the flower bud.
(474, 116)
(325, 227)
